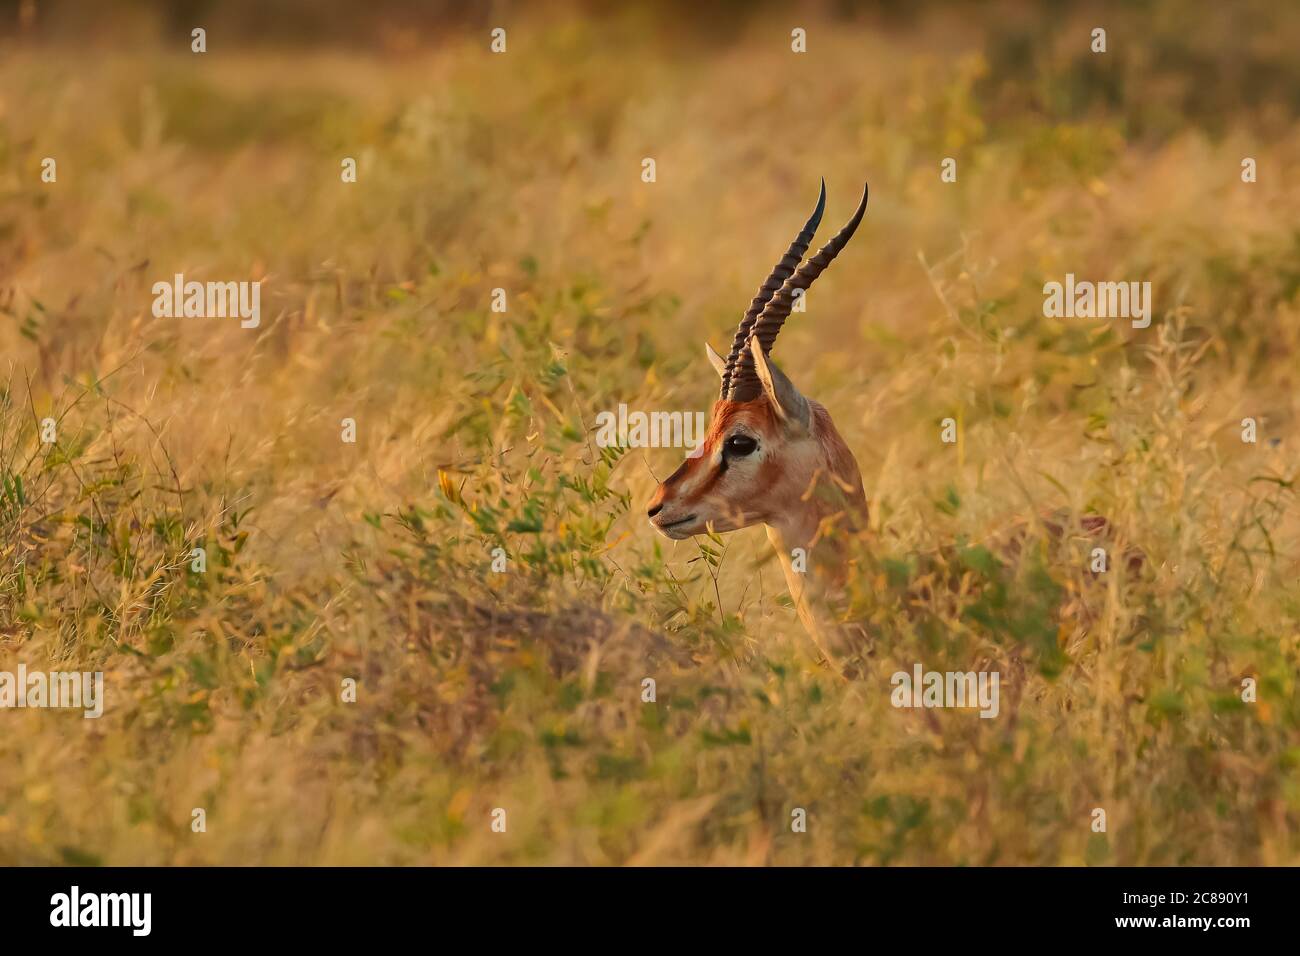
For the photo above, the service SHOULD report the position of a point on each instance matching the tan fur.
(803, 484)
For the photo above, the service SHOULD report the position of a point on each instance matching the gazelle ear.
(716, 360)
(785, 398)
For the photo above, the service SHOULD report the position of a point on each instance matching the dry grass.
(523, 690)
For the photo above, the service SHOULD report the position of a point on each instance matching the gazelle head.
(770, 455)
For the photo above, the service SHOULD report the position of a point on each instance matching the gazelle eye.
(738, 446)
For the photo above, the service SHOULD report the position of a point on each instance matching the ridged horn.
(744, 383)
(780, 273)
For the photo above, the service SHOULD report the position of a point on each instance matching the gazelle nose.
(654, 511)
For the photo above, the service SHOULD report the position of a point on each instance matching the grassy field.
(522, 690)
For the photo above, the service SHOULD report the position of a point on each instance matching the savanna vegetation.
(522, 690)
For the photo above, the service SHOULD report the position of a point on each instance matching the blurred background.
(522, 171)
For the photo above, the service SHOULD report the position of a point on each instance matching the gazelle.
(771, 455)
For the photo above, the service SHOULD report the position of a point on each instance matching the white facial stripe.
(698, 479)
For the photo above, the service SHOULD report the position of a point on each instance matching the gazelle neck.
(811, 535)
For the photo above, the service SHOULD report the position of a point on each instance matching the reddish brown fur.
(825, 481)
(722, 416)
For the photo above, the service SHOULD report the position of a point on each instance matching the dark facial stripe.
(677, 475)
(712, 480)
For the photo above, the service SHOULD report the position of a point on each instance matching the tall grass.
(523, 690)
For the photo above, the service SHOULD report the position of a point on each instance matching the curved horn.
(780, 273)
(744, 380)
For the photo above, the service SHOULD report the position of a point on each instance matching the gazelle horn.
(744, 383)
(780, 273)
